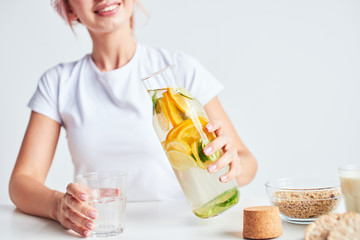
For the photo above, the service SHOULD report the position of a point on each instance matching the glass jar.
(179, 121)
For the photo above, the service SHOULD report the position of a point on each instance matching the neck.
(113, 50)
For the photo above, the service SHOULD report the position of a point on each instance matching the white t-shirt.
(108, 116)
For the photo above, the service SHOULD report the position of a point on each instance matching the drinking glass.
(107, 194)
(350, 186)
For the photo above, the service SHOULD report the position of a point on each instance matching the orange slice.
(189, 132)
(162, 115)
(180, 160)
(178, 145)
(185, 124)
(211, 136)
(176, 116)
(187, 127)
(172, 134)
(180, 100)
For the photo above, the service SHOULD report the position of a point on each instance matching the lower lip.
(109, 13)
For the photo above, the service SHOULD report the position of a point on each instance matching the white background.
(291, 71)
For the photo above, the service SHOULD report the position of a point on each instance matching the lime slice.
(194, 148)
(213, 157)
(154, 101)
(184, 92)
(202, 160)
(180, 160)
(228, 198)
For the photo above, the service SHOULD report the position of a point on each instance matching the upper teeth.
(109, 8)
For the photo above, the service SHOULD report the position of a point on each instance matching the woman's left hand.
(242, 163)
(230, 156)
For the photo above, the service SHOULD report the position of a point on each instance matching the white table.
(146, 220)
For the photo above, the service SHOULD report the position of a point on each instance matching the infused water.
(179, 121)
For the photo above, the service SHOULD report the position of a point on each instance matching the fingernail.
(212, 167)
(208, 150)
(223, 178)
(82, 196)
(87, 233)
(90, 225)
(209, 127)
(93, 214)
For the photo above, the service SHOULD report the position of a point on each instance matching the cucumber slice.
(228, 198)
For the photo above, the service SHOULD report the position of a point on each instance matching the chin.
(111, 27)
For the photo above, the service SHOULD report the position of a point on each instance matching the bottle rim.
(158, 72)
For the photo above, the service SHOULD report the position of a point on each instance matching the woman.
(106, 112)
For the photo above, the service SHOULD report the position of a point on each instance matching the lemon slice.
(178, 145)
(180, 160)
(180, 100)
(163, 144)
(162, 114)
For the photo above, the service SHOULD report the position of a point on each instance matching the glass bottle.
(179, 121)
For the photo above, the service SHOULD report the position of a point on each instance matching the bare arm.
(27, 189)
(243, 165)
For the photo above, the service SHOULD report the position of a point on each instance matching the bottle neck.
(161, 79)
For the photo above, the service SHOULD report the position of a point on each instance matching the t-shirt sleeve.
(196, 78)
(45, 98)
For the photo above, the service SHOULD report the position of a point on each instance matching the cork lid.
(261, 208)
(262, 222)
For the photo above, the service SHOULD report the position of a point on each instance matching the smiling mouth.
(108, 8)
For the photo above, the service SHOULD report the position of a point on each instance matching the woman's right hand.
(73, 212)
(27, 189)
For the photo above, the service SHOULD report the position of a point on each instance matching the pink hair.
(62, 8)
